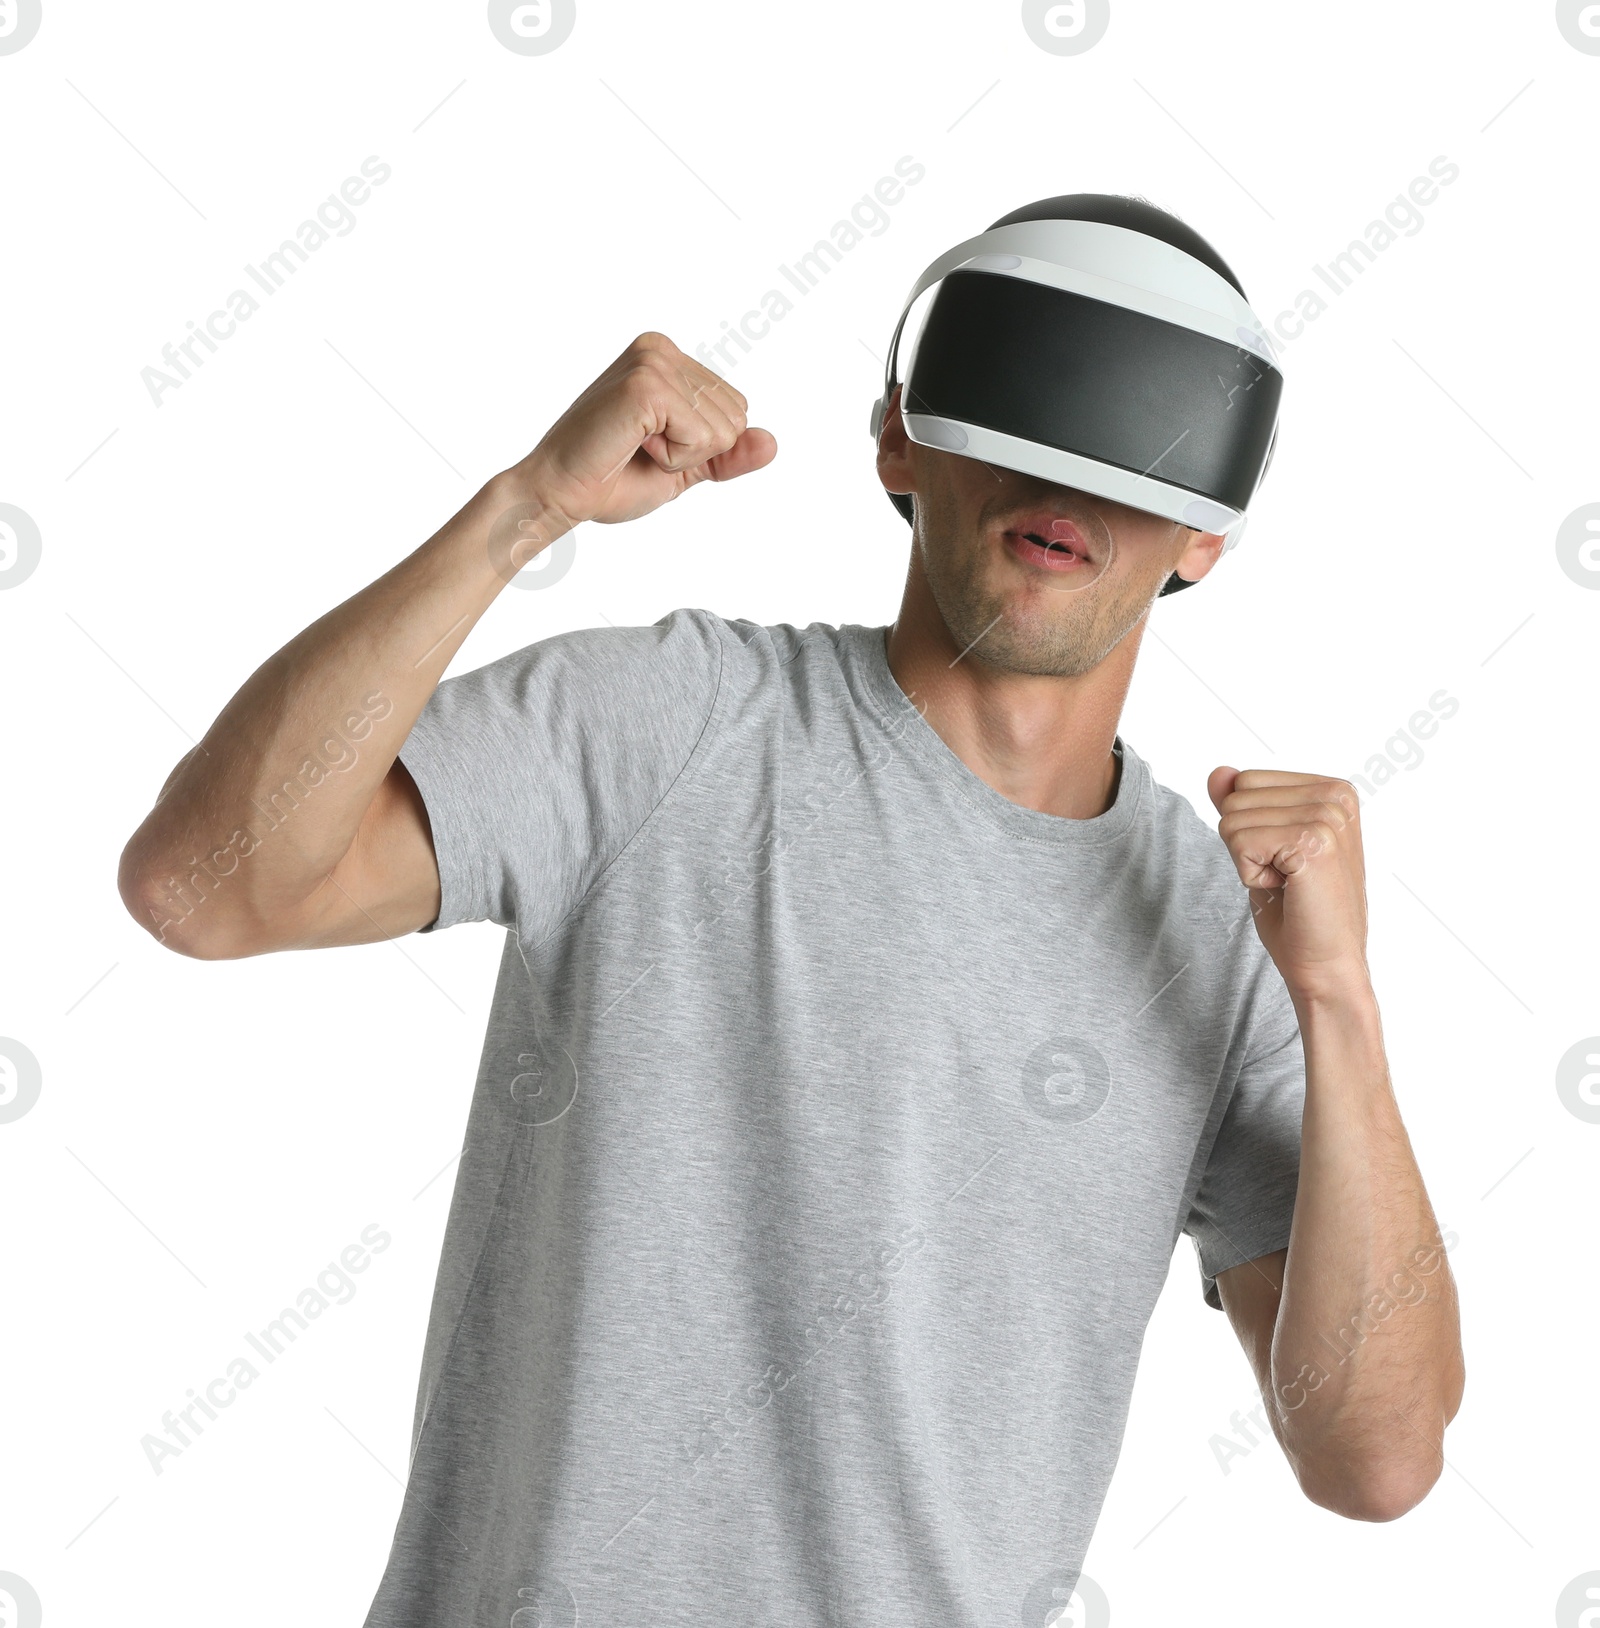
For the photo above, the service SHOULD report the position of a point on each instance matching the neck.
(1043, 742)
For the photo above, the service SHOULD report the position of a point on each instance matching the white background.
(210, 1135)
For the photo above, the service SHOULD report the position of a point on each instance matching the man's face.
(1029, 576)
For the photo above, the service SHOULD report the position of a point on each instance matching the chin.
(1039, 646)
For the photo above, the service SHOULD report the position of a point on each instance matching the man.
(869, 1026)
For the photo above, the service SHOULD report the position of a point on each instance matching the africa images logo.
(20, 546)
(21, 1081)
(19, 1604)
(532, 28)
(1579, 1604)
(1066, 1599)
(545, 1087)
(1578, 1083)
(1066, 1079)
(518, 537)
(335, 217)
(19, 22)
(1066, 28)
(1578, 543)
(545, 1604)
(1579, 22)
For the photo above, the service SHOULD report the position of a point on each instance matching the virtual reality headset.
(1098, 343)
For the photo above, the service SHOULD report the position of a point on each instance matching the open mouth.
(1050, 542)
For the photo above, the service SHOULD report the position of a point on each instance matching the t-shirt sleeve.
(1245, 1201)
(539, 769)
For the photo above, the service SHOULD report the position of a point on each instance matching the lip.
(1049, 541)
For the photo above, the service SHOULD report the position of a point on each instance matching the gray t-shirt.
(835, 1125)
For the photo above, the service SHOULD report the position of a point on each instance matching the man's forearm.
(317, 727)
(1366, 1355)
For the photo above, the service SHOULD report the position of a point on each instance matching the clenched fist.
(1295, 840)
(655, 423)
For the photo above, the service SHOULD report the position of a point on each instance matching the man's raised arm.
(256, 842)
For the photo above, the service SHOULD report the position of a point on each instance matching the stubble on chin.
(1048, 632)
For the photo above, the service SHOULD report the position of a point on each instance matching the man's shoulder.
(780, 640)
(780, 655)
(692, 624)
(684, 662)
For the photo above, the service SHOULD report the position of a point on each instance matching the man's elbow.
(177, 918)
(1381, 1479)
(1381, 1492)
